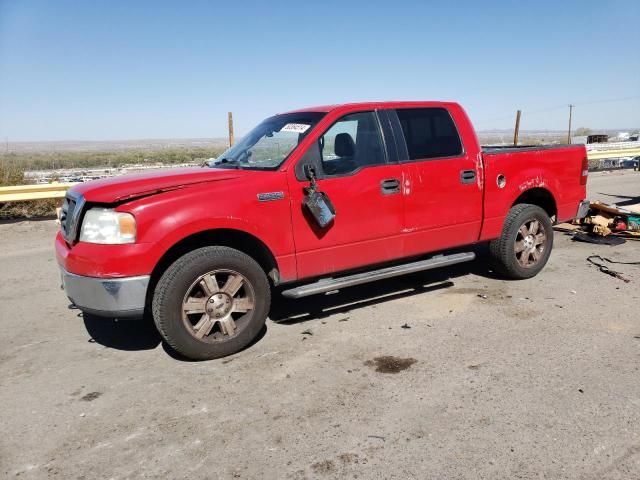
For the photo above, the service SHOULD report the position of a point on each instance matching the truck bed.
(493, 149)
(539, 171)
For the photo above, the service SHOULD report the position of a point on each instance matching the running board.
(330, 284)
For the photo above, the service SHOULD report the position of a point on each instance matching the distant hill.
(153, 144)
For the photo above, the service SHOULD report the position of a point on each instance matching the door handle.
(390, 186)
(467, 176)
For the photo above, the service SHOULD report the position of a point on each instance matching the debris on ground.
(406, 326)
(598, 239)
(604, 269)
(482, 295)
(606, 224)
(567, 227)
(306, 332)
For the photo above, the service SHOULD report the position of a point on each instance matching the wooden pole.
(231, 140)
(569, 132)
(517, 129)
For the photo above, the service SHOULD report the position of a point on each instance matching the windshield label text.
(295, 127)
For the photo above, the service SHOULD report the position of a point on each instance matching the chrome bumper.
(583, 209)
(107, 297)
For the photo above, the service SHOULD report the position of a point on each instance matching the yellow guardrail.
(21, 193)
(617, 153)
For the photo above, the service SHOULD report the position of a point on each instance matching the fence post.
(517, 129)
(231, 140)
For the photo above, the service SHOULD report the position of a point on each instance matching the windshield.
(270, 143)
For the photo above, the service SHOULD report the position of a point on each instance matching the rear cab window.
(429, 133)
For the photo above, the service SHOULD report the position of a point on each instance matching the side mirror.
(309, 171)
(309, 165)
(320, 207)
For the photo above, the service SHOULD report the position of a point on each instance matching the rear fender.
(500, 199)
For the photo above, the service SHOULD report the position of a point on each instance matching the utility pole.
(569, 132)
(517, 129)
(231, 141)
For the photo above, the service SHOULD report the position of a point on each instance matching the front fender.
(171, 217)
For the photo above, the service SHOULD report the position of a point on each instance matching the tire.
(516, 255)
(211, 302)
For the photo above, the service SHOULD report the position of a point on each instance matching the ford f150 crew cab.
(310, 201)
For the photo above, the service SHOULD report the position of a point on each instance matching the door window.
(351, 143)
(429, 133)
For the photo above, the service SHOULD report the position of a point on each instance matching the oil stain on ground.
(89, 397)
(326, 466)
(390, 364)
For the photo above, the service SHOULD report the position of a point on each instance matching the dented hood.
(127, 187)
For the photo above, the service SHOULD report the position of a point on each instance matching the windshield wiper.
(230, 162)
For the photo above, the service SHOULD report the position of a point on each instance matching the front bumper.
(583, 209)
(107, 297)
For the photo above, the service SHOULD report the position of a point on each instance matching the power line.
(578, 104)
(611, 100)
(561, 107)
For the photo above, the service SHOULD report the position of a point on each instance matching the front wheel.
(211, 302)
(525, 244)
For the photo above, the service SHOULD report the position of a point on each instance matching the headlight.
(104, 225)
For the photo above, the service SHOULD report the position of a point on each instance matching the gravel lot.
(531, 379)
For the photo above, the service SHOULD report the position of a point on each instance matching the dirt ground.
(450, 374)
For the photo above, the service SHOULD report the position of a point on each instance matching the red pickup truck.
(310, 201)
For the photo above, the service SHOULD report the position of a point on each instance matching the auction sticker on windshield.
(295, 127)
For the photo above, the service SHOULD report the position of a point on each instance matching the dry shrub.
(30, 209)
(12, 174)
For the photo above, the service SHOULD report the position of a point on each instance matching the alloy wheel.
(530, 243)
(216, 303)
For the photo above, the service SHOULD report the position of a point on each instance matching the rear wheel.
(211, 302)
(525, 244)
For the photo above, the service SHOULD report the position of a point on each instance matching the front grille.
(70, 216)
(68, 207)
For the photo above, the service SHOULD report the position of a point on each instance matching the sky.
(103, 70)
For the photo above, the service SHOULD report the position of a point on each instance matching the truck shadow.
(129, 335)
(286, 311)
(135, 335)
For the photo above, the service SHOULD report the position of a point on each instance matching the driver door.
(352, 170)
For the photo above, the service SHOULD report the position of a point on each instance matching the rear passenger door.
(442, 194)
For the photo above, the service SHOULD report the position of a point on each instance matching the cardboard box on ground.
(603, 220)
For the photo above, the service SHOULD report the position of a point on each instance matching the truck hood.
(127, 187)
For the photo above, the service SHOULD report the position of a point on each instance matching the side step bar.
(330, 284)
